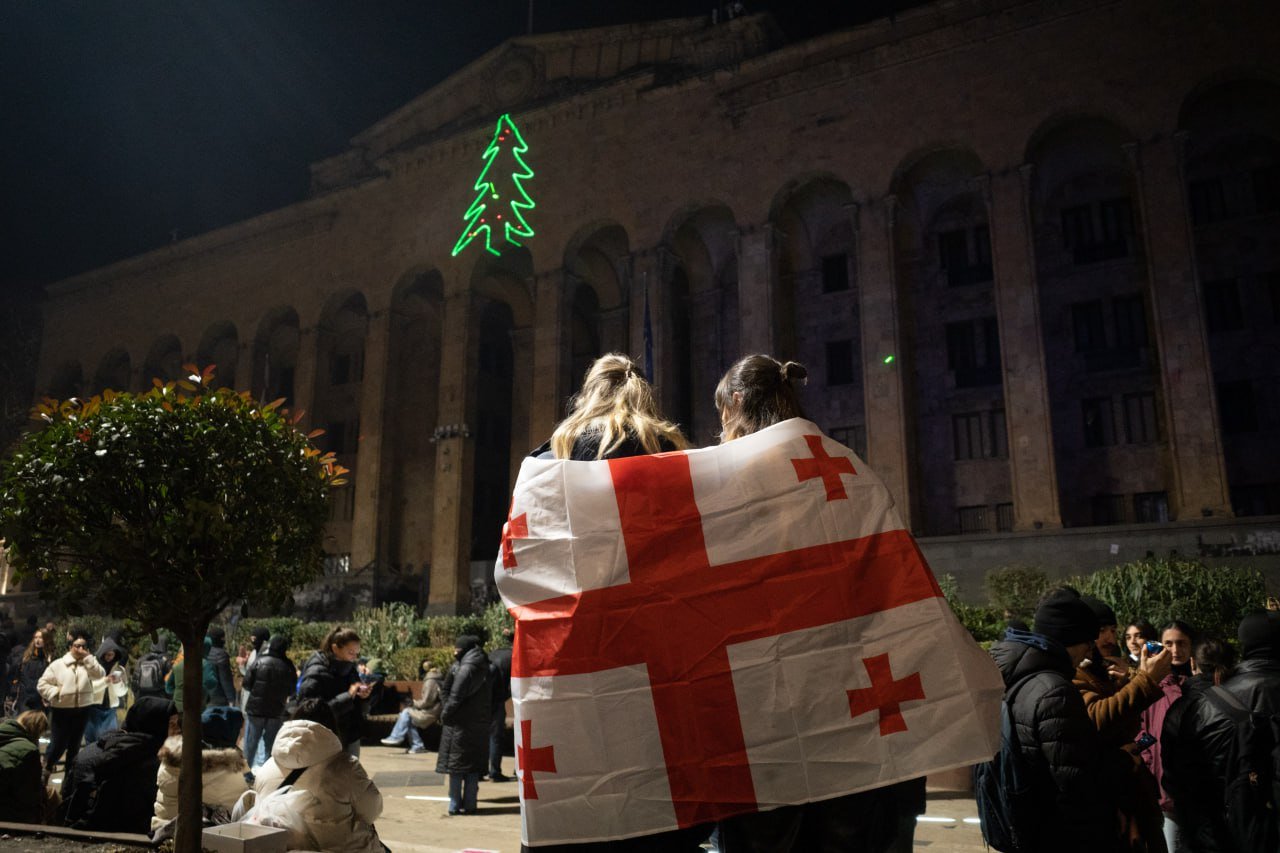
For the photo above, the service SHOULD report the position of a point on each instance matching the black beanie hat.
(1260, 635)
(260, 635)
(1106, 616)
(466, 642)
(1064, 617)
(217, 635)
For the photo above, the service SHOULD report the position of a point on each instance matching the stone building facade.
(1028, 249)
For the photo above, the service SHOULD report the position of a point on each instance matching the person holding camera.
(1115, 702)
(331, 675)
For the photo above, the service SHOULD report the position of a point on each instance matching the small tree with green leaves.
(167, 507)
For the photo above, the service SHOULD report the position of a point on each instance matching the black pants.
(66, 729)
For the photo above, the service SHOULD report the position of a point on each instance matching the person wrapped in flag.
(705, 634)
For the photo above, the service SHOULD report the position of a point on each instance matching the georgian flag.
(712, 632)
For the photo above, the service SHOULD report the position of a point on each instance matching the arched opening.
(335, 405)
(275, 356)
(597, 312)
(495, 379)
(701, 333)
(955, 383)
(584, 334)
(220, 347)
(1233, 191)
(408, 469)
(1101, 363)
(164, 361)
(114, 372)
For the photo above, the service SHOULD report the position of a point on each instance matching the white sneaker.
(386, 741)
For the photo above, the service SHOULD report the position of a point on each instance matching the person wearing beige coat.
(68, 688)
(222, 779)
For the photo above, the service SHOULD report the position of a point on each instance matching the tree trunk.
(190, 814)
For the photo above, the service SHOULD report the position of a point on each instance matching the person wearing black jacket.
(1057, 739)
(25, 668)
(220, 661)
(111, 785)
(268, 683)
(1200, 751)
(330, 674)
(501, 660)
(464, 743)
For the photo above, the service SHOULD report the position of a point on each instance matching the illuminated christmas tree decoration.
(505, 150)
(888, 359)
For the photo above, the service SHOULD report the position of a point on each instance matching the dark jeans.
(497, 728)
(66, 728)
(259, 732)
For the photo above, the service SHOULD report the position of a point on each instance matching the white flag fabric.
(719, 631)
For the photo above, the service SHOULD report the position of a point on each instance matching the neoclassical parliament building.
(1028, 249)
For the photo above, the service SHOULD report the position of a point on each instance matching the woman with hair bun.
(330, 675)
(757, 392)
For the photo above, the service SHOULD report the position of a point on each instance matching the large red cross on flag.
(720, 631)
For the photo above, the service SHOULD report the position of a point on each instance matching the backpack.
(1252, 794)
(1003, 788)
(148, 679)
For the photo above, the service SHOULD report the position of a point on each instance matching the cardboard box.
(245, 838)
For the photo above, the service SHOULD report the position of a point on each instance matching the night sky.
(127, 122)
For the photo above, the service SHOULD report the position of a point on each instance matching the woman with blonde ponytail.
(614, 415)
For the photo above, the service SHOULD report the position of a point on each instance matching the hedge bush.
(984, 623)
(403, 665)
(1212, 600)
(1015, 590)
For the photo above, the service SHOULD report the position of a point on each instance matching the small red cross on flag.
(515, 528)
(694, 628)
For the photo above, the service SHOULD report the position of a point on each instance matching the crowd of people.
(1131, 739)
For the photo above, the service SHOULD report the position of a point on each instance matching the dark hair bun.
(793, 370)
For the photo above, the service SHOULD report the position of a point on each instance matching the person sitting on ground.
(344, 802)
(222, 771)
(25, 797)
(269, 683)
(420, 714)
(111, 786)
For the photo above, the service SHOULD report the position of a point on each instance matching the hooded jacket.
(344, 804)
(464, 743)
(221, 773)
(330, 680)
(1062, 747)
(103, 693)
(23, 800)
(69, 683)
(270, 680)
(426, 710)
(173, 683)
(224, 689)
(111, 787)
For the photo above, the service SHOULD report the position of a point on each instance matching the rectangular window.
(1222, 309)
(1150, 507)
(1077, 227)
(953, 249)
(1108, 509)
(1207, 202)
(967, 432)
(999, 432)
(337, 564)
(1087, 325)
(339, 368)
(1141, 425)
(835, 273)
(1099, 422)
(1131, 321)
(840, 362)
(335, 436)
(853, 437)
(1004, 517)
(973, 352)
(1256, 499)
(972, 519)
(1237, 407)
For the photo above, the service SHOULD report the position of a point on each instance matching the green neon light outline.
(516, 226)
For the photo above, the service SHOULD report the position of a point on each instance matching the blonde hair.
(765, 395)
(616, 402)
(34, 723)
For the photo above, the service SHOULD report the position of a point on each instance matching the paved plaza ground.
(415, 820)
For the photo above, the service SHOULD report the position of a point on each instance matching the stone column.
(365, 547)
(304, 376)
(450, 589)
(758, 289)
(1190, 401)
(1028, 419)
(550, 361)
(883, 387)
(523, 380)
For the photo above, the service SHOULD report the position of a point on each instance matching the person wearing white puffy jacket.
(344, 802)
(67, 687)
